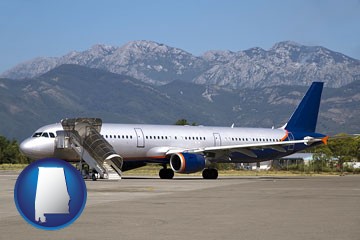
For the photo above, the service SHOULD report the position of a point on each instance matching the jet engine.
(187, 162)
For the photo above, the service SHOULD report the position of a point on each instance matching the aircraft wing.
(247, 148)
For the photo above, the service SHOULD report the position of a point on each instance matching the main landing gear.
(207, 173)
(166, 173)
(210, 173)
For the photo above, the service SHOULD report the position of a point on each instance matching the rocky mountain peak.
(102, 49)
(218, 56)
(288, 45)
(145, 46)
(155, 63)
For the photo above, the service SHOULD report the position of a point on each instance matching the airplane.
(190, 149)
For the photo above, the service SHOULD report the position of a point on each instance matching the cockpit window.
(37, 134)
(45, 134)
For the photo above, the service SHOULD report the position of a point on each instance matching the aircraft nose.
(37, 148)
(26, 147)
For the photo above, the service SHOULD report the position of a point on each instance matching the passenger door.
(217, 139)
(140, 137)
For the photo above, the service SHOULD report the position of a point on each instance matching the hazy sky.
(32, 28)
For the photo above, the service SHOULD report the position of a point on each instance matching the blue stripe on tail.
(305, 116)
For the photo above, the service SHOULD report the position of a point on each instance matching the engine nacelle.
(187, 162)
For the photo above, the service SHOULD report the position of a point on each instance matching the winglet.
(325, 140)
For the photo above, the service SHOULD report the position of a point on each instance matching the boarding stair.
(82, 135)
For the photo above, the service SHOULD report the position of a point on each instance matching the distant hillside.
(76, 91)
(286, 63)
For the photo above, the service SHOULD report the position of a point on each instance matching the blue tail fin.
(305, 116)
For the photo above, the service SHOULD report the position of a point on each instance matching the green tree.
(357, 147)
(184, 122)
(344, 149)
(10, 152)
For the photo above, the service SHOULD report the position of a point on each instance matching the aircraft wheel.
(210, 173)
(214, 173)
(93, 177)
(166, 173)
(205, 173)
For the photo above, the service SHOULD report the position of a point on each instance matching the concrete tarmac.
(193, 208)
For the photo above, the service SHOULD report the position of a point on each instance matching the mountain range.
(71, 90)
(286, 63)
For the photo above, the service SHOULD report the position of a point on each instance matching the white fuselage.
(150, 142)
(138, 141)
